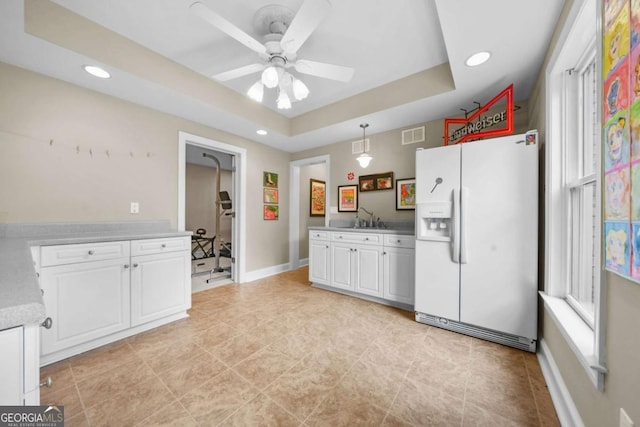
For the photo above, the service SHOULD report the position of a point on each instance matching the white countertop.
(403, 231)
(20, 296)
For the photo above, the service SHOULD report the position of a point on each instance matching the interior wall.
(389, 155)
(200, 200)
(68, 154)
(622, 314)
(307, 173)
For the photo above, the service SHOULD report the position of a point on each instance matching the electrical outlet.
(625, 421)
(135, 207)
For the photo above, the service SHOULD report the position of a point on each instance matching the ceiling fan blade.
(309, 16)
(227, 27)
(239, 72)
(327, 71)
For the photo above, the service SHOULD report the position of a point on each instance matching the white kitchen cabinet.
(342, 266)
(377, 265)
(85, 301)
(319, 257)
(19, 366)
(160, 285)
(356, 266)
(135, 286)
(368, 270)
(399, 266)
(399, 274)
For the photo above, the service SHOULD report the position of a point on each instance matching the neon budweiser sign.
(458, 130)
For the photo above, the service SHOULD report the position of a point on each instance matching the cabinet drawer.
(399, 241)
(318, 235)
(158, 246)
(362, 238)
(82, 252)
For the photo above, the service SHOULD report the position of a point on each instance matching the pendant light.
(364, 159)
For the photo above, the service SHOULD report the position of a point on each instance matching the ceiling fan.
(283, 34)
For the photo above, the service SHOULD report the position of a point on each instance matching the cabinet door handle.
(384, 253)
(135, 265)
(126, 266)
(48, 382)
(355, 250)
(163, 245)
(327, 246)
(48, 322)
(399, 241)
(90, 252)
(366, 238)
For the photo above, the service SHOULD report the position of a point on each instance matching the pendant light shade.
(364, 159)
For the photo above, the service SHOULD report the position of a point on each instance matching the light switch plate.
(135, 207)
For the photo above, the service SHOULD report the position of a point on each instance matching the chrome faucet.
(369, 213)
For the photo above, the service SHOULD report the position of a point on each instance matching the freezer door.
(499, 235)
(437, 271)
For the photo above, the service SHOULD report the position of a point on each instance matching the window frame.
(586, 343)
(578, 180)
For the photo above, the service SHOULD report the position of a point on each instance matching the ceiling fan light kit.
(256, 91)
(283, 33)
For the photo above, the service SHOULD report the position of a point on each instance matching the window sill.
(578, 335)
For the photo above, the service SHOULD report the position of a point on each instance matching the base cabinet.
(376, 265)
(19, 366)
(85, 301)
(131, 286)
(399, 275)
(154, 293)
(319, 258)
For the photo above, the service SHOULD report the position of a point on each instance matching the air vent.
(357, 146)
(411, 136)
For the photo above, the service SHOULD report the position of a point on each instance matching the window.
(582, 166)
(573, 295)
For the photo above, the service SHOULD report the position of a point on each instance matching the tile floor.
(279, 352)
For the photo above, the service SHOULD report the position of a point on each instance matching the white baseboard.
(302, 262)
(250, 276)
(565, 408)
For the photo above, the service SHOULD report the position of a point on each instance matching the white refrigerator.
(477, 239)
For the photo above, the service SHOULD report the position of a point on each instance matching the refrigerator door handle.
(455, 221)
(464, 233)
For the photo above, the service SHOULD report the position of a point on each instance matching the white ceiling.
(383, 41)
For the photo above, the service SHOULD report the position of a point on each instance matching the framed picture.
(270, 195)
(270, 179)
(380, 181)
(405, 194)
(347, 198)
(270, 212)
(317, 194)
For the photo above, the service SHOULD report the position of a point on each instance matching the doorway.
(298, 209)
(193, 167)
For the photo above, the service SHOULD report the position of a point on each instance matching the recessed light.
(478, 58)
(261, 132)
(97, 71)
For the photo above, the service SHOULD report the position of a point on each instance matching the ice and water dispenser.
(434, 221)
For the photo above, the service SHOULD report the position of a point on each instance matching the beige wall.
(43, 182)
(622, 314)
(306, 173)
(200, 203)
(388, 155)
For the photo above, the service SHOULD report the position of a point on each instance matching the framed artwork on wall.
(270, 179)
(380, 181)
(347, 198)
(271, 212)
(405, 194)
(317, 193)
(270, 195)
